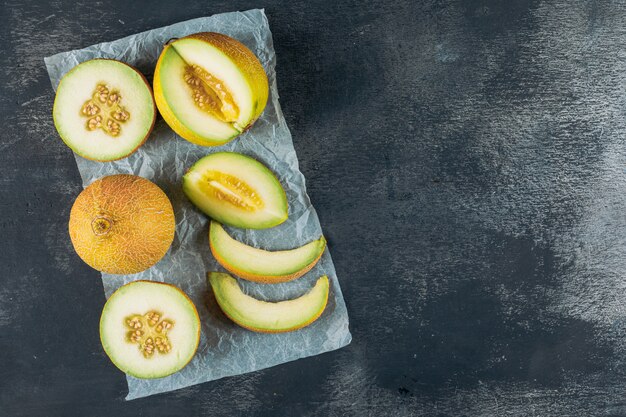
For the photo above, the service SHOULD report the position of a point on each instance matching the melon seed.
(108, 102)
(150, 334)
(210, 94)
(231, 189)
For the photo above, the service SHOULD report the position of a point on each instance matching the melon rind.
(141, 219)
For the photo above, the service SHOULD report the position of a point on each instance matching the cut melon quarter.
(149, 329)
(209, 88)
(268, 317)
(104, 109)
(236, 190)
(260, 265)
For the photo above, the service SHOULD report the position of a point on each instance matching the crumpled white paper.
(225, 349)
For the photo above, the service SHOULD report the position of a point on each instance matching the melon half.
(209, 88)
(104, 109)
(149, 329)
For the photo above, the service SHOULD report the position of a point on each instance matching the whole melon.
(122, 224)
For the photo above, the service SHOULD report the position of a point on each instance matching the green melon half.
(133, 303)
(79, 87)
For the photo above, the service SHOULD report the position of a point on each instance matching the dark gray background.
(468, 163)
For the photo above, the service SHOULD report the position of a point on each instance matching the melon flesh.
(261, 265)
(136, 299)
(268, 317)
(177, 94)
(78, 88)
(237, 190)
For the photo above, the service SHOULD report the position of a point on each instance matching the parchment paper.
(225, 349)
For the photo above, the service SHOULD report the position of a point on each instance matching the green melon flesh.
(78, 86)
(215, 175)
(244, 260)
(268, 317)
(138, 298)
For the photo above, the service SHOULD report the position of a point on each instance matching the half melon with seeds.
(236, 190)
(268, 317)
(209, 87)
(258, 265)
(104, 109)
(122, 224)
(149, 329)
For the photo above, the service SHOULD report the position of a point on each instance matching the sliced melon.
(149, 329)
(267, 317)
(236, 190)
(268, 267)
(209, 88)
(104, 109)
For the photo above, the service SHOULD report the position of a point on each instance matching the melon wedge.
(267, 317)
(149, 329)
(236, 190)
(209, 88)
(103, 109)
(258, 265)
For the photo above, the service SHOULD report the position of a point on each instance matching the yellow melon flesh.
(121, 224)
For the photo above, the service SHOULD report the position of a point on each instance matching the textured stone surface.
(468, 164)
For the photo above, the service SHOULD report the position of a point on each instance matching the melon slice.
(267, 317)
(268, 267)
(209, 88)
(236, 190)
(104, 110)
(149, 329)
